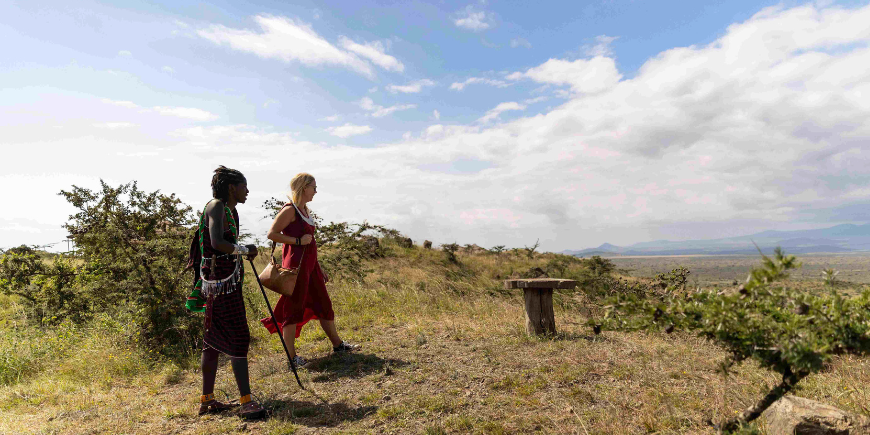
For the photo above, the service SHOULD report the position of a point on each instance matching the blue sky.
(478, 122)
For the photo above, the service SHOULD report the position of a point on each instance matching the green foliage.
(497, 250)
(785, 330)
(599, 266)
(47, 284)
(530, 250)
(133, 245)
(830, 276)
(450, 250)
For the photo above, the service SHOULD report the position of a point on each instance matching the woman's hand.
(306, 239)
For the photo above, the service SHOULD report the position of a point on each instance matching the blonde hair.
(298, 185)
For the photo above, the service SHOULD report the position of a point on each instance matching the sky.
(491, 122)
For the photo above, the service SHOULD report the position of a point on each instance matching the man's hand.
(306, 239)
(252, 251)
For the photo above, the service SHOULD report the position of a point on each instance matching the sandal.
(214, 407)
(252, 411)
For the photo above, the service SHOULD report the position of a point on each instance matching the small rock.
(243, 426)
(796, 415)
(387, 398)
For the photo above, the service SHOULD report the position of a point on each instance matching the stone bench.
(538, 297)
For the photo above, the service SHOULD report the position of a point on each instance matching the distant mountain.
(839, 238)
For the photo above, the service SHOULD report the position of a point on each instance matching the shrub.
(784, 330)
(133, 246)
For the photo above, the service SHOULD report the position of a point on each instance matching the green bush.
(132, 247)
(785, 330)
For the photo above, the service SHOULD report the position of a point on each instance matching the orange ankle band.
(206, 398)
(245, 399)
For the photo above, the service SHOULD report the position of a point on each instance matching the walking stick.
(280, 332)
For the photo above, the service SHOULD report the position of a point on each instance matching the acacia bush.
(785, 330)
(132, 247)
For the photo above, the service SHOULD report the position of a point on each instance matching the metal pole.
(278, 327)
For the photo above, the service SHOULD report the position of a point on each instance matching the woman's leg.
(329, 328)
(289, 333)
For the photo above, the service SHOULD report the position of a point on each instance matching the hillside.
(444, 351)
(836, 239)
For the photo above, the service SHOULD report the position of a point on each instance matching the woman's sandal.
(212, 406)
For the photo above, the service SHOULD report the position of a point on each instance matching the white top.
(307, 219)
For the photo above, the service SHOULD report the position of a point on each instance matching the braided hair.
(221, 181)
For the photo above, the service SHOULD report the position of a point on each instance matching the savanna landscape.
(444, 348)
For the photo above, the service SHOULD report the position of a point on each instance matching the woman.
(295, 228)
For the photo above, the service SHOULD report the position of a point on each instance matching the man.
(220, 273)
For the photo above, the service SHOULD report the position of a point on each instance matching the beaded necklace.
(205, 288)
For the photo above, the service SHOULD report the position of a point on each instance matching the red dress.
(310, 299)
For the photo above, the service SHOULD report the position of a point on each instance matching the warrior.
(219, 273)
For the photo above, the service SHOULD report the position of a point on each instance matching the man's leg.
(240, 370)
(209, 366)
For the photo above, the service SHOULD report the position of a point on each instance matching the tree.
(497, 250)
(134, 246)
(530, 250)
(48, 287)
(785, 330)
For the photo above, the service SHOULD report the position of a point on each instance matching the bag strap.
(272, 254)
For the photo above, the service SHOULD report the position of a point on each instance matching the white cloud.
(186, 112)
(332, 118)
(168, 69)
(181, 24)
(411, 88)
(473, 19)
(377, 111)
(764, 128)
(348, 130)
(601, 47)
(458, 86)
(180, 112)
(436, 114)
(536, 100)
(127, 104)
(124, 53)
(287, 40)
(373, 51)
(583, 75)
(115, 125)
(270, 102)
(373, 90)
(497, 110)
(520, 42)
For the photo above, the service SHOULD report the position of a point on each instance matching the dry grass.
(444, 351)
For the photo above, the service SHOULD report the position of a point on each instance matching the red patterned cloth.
(310, 300)
(226, 324)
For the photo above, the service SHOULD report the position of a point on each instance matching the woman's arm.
(285, 217)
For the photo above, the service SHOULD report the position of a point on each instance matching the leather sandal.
(214, 407)
(252, 411)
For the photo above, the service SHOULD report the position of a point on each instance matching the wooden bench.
(538, 296)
